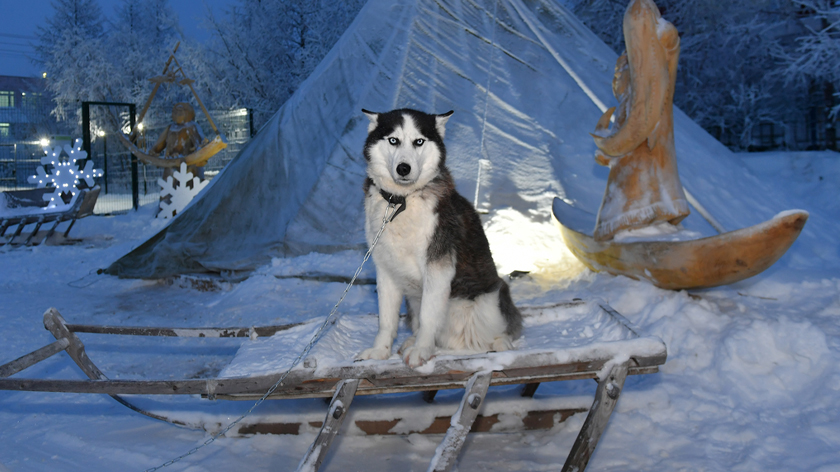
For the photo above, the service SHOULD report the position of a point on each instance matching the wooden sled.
(28, 207)
(623, 352)
(676, 265)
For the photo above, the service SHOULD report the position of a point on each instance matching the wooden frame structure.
(609, 365)
(31, 199)
(197, 158)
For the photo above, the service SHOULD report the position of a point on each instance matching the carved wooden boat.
(706, 262)
(198, 158)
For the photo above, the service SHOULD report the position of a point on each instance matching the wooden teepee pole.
(200, 103)
(154, 91)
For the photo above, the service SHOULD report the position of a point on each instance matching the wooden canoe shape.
(706, 262)
(198, 158)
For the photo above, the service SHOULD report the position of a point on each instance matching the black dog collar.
(394, 200)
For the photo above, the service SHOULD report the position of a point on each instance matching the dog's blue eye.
(393, 141)
(419, 142)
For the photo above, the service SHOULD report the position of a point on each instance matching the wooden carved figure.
(180, 139)
(643, 185)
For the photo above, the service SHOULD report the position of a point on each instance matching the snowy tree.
(259, 54)
(264, 49)
(814, 58)
(88, 58)
(71, 47)
(741, 63)
(142, 37)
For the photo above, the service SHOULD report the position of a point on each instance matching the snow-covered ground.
(751, 383)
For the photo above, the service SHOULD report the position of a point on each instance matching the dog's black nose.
(403, 169)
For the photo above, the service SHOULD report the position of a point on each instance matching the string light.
(69, 183)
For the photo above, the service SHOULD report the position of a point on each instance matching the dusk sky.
(22, 18)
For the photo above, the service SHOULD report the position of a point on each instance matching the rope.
(486, 101)
(331, 319)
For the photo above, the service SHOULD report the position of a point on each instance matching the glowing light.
(45, 142)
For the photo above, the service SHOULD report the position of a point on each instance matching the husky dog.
(433, 252)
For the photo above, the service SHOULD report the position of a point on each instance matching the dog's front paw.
(376, 353)
(407, 344)
(415, 356)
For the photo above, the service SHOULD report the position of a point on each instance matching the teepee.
(527, 81)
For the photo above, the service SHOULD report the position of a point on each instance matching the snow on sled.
(704, 262)
(566, 341)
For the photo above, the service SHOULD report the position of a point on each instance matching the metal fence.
(20, 160)
(17, 162)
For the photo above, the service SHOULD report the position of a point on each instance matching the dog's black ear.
(440, 122)
(374, 119)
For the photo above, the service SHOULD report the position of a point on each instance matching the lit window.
(5, 130)
(7, 99)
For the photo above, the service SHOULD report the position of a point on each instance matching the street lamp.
(104, 137)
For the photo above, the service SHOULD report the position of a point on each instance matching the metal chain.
(315, 338)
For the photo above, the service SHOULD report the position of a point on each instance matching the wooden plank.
(429, 396)
(606, 397)
(33, 357)
(52, 230)
(23, 223)
(339, 406)
(34, 231)
(533, 420)
(390, 376)
(252, 388)
(447, 451)
(245, 388)
(530, 389)
(54, 322)
(233, 332)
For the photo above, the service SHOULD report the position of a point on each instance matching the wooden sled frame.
(81, 208)
(474, 373)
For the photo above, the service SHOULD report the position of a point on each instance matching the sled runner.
(676, 265)
(25, 207)
(595, 342)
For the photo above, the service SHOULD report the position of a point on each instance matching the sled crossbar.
(473, 373)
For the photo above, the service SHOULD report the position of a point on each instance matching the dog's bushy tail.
(510, 313)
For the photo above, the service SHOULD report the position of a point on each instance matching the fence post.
(86, 128)
(135, 185)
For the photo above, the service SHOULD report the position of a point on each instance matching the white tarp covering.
(527, 82)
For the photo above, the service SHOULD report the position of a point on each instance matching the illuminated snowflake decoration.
(65, 173)
(181, 195)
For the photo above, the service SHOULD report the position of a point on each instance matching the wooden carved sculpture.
(198, 154)
(643, 186)
(181, 138)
